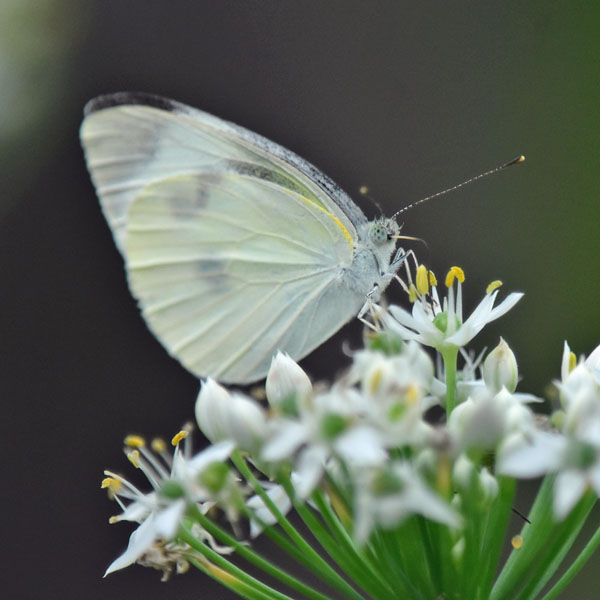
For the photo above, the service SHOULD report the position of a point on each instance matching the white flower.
(484, 422)
(396, 392)
(384, 497)
(329, 427)
(440, 324)
(177, 482)
(224, 416)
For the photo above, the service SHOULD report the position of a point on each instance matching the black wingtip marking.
(125, 98)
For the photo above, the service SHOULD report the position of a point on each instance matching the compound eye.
(379, 233)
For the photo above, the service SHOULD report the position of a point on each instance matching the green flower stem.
(347, 544)
(404, 557)
(317, 563)
(253, 557)
(535, 535)
(231, 573)
(432, 560)
(494, 534)
(330, 545)
(449, 355)
(558, 546)
(236, 586)
(545, 542)
(575, 567)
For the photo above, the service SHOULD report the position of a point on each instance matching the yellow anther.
(412, 293)
(432, 279)
(422, 280)
(493, 286)
(113, 520)
(375, 381)
(134, 458)
(520, 159)
(517, 542)
(412, 395)
(572, 361)
(459, 273)
(364, 190)
(179, 436)
(135, 441)
(158, 445)
(113, 485)
(454, 273)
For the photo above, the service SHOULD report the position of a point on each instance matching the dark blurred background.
(406, 98)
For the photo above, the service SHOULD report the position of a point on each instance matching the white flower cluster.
(573, 451)
(370, 441)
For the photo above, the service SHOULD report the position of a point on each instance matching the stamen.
(412, 395)
(432, 279)
(134, 441)
(517, 542)
(179, 436)
(375, 381)
(493, 286)
(113, 485)
(422, 280)
(158, 445)
(412, 293)
(459, 273)
(134, 458)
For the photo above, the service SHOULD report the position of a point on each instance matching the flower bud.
(225, 416)
(500, 369)
(463, 472)
(489, 486)
(288, 386)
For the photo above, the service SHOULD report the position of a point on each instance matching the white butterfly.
(234, 246)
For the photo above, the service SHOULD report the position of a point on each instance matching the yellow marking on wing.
(334, 218)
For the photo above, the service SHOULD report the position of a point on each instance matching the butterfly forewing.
(133, 140)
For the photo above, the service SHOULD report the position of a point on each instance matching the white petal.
(543, 454)
(281, 500)
(403, 332)
(141, 539)
(505, 305)
(565, 362)
(568, 489)
(361, 446)
(311, 463)
(429, 505)
(167, 521)
(288, 436)
(218, 452)
(137, 511)
(592, 362)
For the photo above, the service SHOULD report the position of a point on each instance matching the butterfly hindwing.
(228, 269)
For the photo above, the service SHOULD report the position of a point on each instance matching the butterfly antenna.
(514, 161)
(364, 191)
